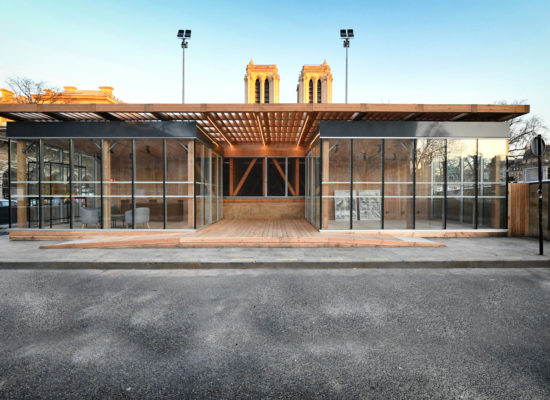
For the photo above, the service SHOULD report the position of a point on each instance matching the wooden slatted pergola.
(267, 124)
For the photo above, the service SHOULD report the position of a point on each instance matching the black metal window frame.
(40, 173)
(475, 222)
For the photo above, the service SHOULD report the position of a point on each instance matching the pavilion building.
(185, 166)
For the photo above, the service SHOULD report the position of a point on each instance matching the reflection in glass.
(148, 185)
(179, 183)
(367, 183)
(492, 183)
(398, 183)
(461, 155)
(86, 183)
(430, 183)
(337, 202)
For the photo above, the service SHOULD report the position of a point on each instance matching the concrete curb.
(275, 265)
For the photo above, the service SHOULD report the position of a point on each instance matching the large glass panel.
(492, 183)
(461, 155)
(276, 177)
(367, 183)
(398, 183)
(317, 186)
(149, 211)
(430, 183)
(117, 177)
(199, 183)
(179, 184)
(86, 183)
(296, 167)
(55, 184)
(25, 185)
(337, 202)
(244, 177)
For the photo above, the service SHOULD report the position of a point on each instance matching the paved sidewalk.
(495, 252)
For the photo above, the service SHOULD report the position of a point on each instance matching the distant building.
(261, 83)
(315, 84)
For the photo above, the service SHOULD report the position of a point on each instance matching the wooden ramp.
(239, 233)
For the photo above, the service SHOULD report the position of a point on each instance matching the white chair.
(89, 216)
(142, 216)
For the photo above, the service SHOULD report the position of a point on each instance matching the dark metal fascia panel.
(412, 129)
(103, 130)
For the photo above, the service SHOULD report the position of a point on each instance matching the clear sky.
(404, 51)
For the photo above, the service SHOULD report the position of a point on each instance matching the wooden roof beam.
(214, 123)
(260, 129)
(12, 117)
(59, 116)
(458, 116)
(109, 116)
(408, 116)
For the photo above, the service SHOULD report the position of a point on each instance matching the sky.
(404, 51)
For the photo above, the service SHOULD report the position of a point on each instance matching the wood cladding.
(263, 208)
(518, 209)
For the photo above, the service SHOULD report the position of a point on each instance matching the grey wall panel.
(411, 129)
(112, 129)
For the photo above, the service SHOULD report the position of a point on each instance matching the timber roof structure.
(233, 124)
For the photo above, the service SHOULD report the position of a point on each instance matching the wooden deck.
(226, 233)
(241, 233)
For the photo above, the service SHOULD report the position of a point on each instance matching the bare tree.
(522, 130)
(29, 91)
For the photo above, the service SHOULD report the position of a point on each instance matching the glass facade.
(407, 183)
(313, 185)
(114, 183)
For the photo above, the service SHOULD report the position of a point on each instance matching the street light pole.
(347, 48)
(346, 34)
(183, 34)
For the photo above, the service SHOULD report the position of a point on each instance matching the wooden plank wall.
(518, 209)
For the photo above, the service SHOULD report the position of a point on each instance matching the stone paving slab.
(498, 252)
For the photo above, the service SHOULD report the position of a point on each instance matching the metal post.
(40, 164)
(101, 183)
(539, 157)
(382, 191)
(133, 184)
(183, 45)
(445, 182)
(164, 166)
(71, 172)
(413, 207)
(351, 185)
(476, 185)
(9, 183)
(347, 47)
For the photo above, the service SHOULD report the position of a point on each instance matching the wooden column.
(191, 185)
(264, 173)
(22, 200)
(324, 184)
(297, 177)
(231, 179)
(107, 190)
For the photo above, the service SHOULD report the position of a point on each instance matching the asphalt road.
(392, 333)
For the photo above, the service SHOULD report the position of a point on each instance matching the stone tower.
(315, 84)
(261, 84)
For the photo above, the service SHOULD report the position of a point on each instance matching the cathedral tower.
(315, 84)
(261, 84)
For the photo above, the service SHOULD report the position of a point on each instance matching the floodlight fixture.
(183, 34)
(346, 35)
